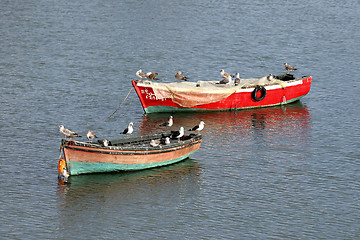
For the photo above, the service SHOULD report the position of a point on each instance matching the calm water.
(277, 173)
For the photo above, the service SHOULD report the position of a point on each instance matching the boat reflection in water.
(240, 131)
(110, 193)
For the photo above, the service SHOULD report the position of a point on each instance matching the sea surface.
(288, 172)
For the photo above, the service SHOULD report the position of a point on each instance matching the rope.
(120, 104)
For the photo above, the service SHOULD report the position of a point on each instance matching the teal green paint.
(76, 168)
(162, 108)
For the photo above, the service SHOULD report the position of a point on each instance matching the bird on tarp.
(129, 130)
(225, 74)
(68, 132)
(165, 141)
(180, 77)
(168, 123)
(198, 127)
(289, 68)
(226, 80)
(152, 76)
(104, 143)
(237, 79)
(177, 134)
(90, 135)
(140, 74)
(270, 77)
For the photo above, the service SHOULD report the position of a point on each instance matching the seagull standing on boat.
(270, 77)
(68, 132)
(226, 80)
(180, 77)
(168, 123)
(155, 142)
(225, 74)
(167, 141)
(237, 79)
(140, 74)
(289, 68)
(152, 76)
(177, 134)
(105, 142)
(198, 127)
(129, 129)
(90, 135)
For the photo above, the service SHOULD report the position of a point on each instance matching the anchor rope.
(120, 104)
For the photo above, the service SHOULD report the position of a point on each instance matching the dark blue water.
(287, 172)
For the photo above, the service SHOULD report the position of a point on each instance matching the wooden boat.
(212, 96)
(134, 153)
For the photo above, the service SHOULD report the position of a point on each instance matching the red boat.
(212, 96)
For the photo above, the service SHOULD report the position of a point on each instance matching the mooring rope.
(121, 103)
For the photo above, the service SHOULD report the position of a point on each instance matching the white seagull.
(178, 134)
(226, 80)
(289, 68)
(237, 79)
(270, 77)
(168, 123)
(68, 132)
(90, 135)
(140, 74)
(155, 142)
(180, 77)
(198, 127)
(105, 142)
(129, 129)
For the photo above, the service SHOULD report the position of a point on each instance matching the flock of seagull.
(90, 135)
(227, 78)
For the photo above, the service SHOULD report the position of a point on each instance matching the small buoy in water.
(63, 173)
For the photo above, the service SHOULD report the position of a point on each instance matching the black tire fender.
(254, 93)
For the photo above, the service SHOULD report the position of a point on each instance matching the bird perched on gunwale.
(152, 76)
(105, 142)
(140, 74)
(289, 68)
(129, 130)
(198, 127)
(180, 77)
(226, 80)
(90, 135)
(168, 123)
(68, 132)
(155, 142)
(237, 79)
(177, 134)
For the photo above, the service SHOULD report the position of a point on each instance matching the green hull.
(76, 168)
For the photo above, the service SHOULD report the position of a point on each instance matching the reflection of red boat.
(210, 96)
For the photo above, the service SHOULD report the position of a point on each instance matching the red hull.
(241, 99)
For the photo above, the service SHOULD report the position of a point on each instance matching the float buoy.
(61, 165)
(254, 93)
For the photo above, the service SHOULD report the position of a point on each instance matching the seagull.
(168, 123)
(155, 142)
(198, 127)
(180, 77)
(177, 134)
(105, 142)
(225, 74)
(90, 135)
(129, 129)
(140, 74)
(167, 141)
(270, 77)
(237, 79)
(226, 80)
(289, 68)
(152, 76)
(68, 132)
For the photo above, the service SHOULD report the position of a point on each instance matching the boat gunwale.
(132, 150)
